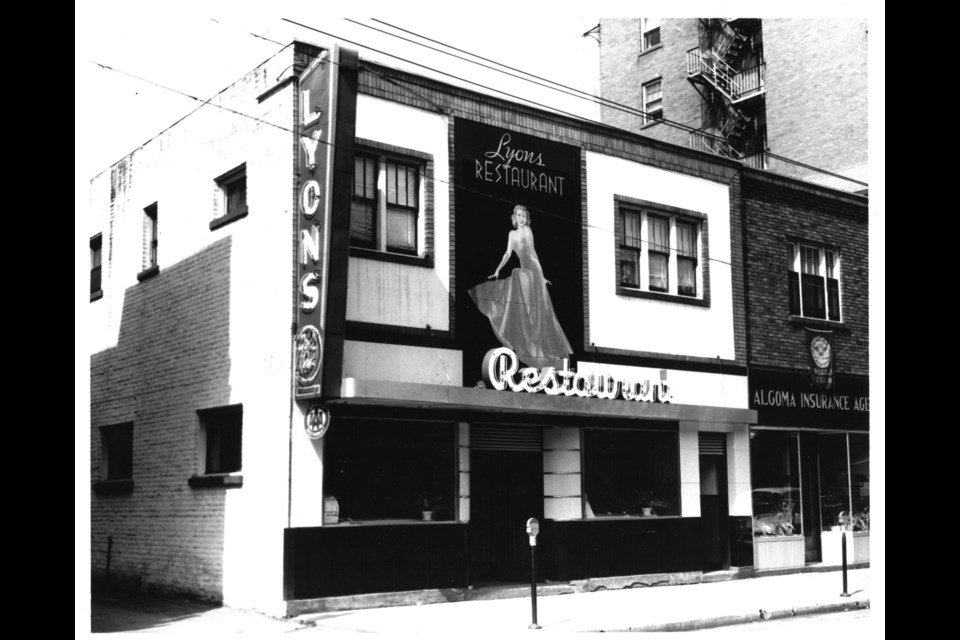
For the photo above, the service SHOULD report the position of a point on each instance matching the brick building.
(754, 90)
(330, 361)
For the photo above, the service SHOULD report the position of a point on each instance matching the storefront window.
(627, 471)
(860, 481)
(390, 469)
(774, 468)
(834, 479)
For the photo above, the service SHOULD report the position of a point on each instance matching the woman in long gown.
(518, 306)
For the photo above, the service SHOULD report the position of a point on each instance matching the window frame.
(622, 453)
(646, 211)
(151, 242)
(807, 278)
(116, 452)
(96, 267)
(219, 423)
(645, 29)
(652, 116)
(384, 157)
(224, 182)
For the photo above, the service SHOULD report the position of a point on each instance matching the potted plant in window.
(778, 543)
(649, 503)
(430, 506)
(857, 527)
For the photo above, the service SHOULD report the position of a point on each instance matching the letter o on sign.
(310, 198)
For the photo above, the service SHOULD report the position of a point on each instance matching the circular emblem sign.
(820, 350)
(316, 421)
(309, 354)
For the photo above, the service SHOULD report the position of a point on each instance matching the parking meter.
(533, 528)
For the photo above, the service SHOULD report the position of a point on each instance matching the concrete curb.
(760, 616)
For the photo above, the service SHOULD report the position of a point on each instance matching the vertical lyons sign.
(326, 122)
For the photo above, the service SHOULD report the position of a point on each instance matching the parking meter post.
(533, 528)
(843, 556)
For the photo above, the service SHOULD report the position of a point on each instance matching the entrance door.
(506, 488)
(714, 514)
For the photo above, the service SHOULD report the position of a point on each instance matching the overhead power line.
(209, 102)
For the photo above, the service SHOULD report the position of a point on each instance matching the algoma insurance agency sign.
(791, 399)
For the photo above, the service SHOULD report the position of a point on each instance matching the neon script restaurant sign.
(501, 370)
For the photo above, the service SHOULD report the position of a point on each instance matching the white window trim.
(796, 265)
(412, 158)
(222, 182)
(647, 118)
(646, 26)
(672, 269)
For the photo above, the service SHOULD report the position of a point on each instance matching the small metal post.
(843, 541)
(533, 528)
(109, 553)
(533, 585)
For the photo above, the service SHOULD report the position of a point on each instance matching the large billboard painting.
(518, 247)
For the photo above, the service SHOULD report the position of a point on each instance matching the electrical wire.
(603, 102)
(540, 212)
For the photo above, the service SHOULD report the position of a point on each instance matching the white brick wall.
(211, 329)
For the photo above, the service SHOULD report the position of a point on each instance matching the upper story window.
(151, 236)
(231, 196)
(650, 33)
(814, 281)
(386, 206)
(116, 462)
(653, 101)
(660, 251)
(221, 438)
(96, 259)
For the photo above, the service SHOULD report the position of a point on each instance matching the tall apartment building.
(327, 360)
(755, 90)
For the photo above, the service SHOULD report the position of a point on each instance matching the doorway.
(714, 511)
(506, 488)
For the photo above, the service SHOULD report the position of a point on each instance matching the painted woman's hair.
(517, 209)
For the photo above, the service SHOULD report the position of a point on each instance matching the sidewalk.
(667, 608)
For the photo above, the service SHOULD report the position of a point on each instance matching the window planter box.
(778, 552)
(858, 547)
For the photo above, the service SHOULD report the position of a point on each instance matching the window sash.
(236, 196)
(117, 452)
(386, 187)
(686, 276)
(659, 271)
(813, 286)
(401, 230)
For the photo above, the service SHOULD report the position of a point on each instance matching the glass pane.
(686, 239)
(833, 299)
(860, 480)
(626, 471)
(834, 487)
(810, 260)
(814, 302)
(686, 277)
(629, 267)
(362, 223)
(658, 272)
(379, 469)
(794, 287)
(401, 230)
(658, 232)
(364, 177)
(775, 475)
(631, 229)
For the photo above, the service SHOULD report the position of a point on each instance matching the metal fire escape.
(727, 70)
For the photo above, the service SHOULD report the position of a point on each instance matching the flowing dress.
(521, 313)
